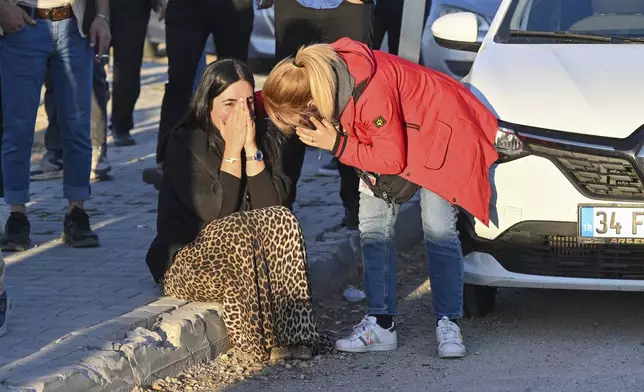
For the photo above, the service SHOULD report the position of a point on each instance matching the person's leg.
(231, 24)
(293, 161)
(24, 60)
(200, 69)
(295, 26)
(5, 304)
(186, 34)
(445, 259)
(380, 24)
(51, 163)
(71, 66)
(354, 21)
(394, 11)
(100, 96)
(376, 332)
(129, 21)
(350, 195)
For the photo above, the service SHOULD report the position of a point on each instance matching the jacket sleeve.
(191, 182)
(381, 119)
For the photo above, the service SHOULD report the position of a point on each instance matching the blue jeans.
(58, 48)
(445, 257)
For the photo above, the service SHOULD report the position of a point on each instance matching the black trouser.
(296, 26)
(388, 19)
(129, 26)
(100, 96)
(188, 25)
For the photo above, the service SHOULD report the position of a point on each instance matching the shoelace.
(360, 328)
(449, 332)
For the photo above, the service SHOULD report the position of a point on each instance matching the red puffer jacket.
(420, 124)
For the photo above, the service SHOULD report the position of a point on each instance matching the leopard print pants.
(255, 264)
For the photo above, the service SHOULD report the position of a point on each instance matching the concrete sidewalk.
(93, 319)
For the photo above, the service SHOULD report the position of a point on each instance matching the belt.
(53, 14)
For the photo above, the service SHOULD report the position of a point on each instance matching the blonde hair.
(296, 81)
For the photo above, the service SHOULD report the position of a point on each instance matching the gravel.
(536, 341)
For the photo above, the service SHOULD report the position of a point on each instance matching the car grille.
(551, 249)
(596, 176)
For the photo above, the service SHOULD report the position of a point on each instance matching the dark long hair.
(217, 77)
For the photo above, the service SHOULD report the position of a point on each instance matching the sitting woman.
(222, 234)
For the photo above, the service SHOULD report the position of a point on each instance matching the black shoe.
(123, 139)
(153, 176)
(76, 230)
(16, 233)
(350, 220)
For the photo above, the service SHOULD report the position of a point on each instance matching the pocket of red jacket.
(455, 151)
(438, 146)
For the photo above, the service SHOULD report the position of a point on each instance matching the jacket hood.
(359, 58)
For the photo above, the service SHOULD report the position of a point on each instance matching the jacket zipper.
(412, 126)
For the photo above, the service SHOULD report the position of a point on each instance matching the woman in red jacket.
(401, 125)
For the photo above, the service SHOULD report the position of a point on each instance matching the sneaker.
(330, 169)
(101, 167)
(154, 176)
(76, 230)
(369, 336)
(450, 340)
(122, 139)
(5, 307)
(16, 233)
(49, 167)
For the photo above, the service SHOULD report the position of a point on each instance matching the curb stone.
(167, 336)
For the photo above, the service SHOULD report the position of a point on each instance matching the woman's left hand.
(250, 142)
(324, 136)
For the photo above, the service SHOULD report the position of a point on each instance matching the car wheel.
(478, 300)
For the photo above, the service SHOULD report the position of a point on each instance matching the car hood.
(593, 89)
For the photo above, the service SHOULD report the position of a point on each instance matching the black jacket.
(195, 193)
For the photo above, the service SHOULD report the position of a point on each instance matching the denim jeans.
(445, 257)
(100, 97)
(58, 48)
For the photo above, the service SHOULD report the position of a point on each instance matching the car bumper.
(532, 240)
(483, 269)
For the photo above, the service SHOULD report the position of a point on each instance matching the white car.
(564, 78)
(453, 62)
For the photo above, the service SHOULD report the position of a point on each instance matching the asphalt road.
(537, 340)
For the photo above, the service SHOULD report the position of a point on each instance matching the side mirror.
(457, 31)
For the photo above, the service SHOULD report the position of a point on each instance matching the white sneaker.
(450, 340)
(369, 336)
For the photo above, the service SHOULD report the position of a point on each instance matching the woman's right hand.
(233, 131)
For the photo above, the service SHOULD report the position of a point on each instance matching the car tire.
(478, 301)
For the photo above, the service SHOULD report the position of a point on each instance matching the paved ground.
(536, 341)
(59, 293)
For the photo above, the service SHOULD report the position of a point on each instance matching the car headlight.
(509, 145)
(483, 22)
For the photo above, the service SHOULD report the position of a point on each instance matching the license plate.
(614, 224)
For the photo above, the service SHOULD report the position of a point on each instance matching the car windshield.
(574, 19)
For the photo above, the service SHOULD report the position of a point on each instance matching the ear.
(311, 104)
